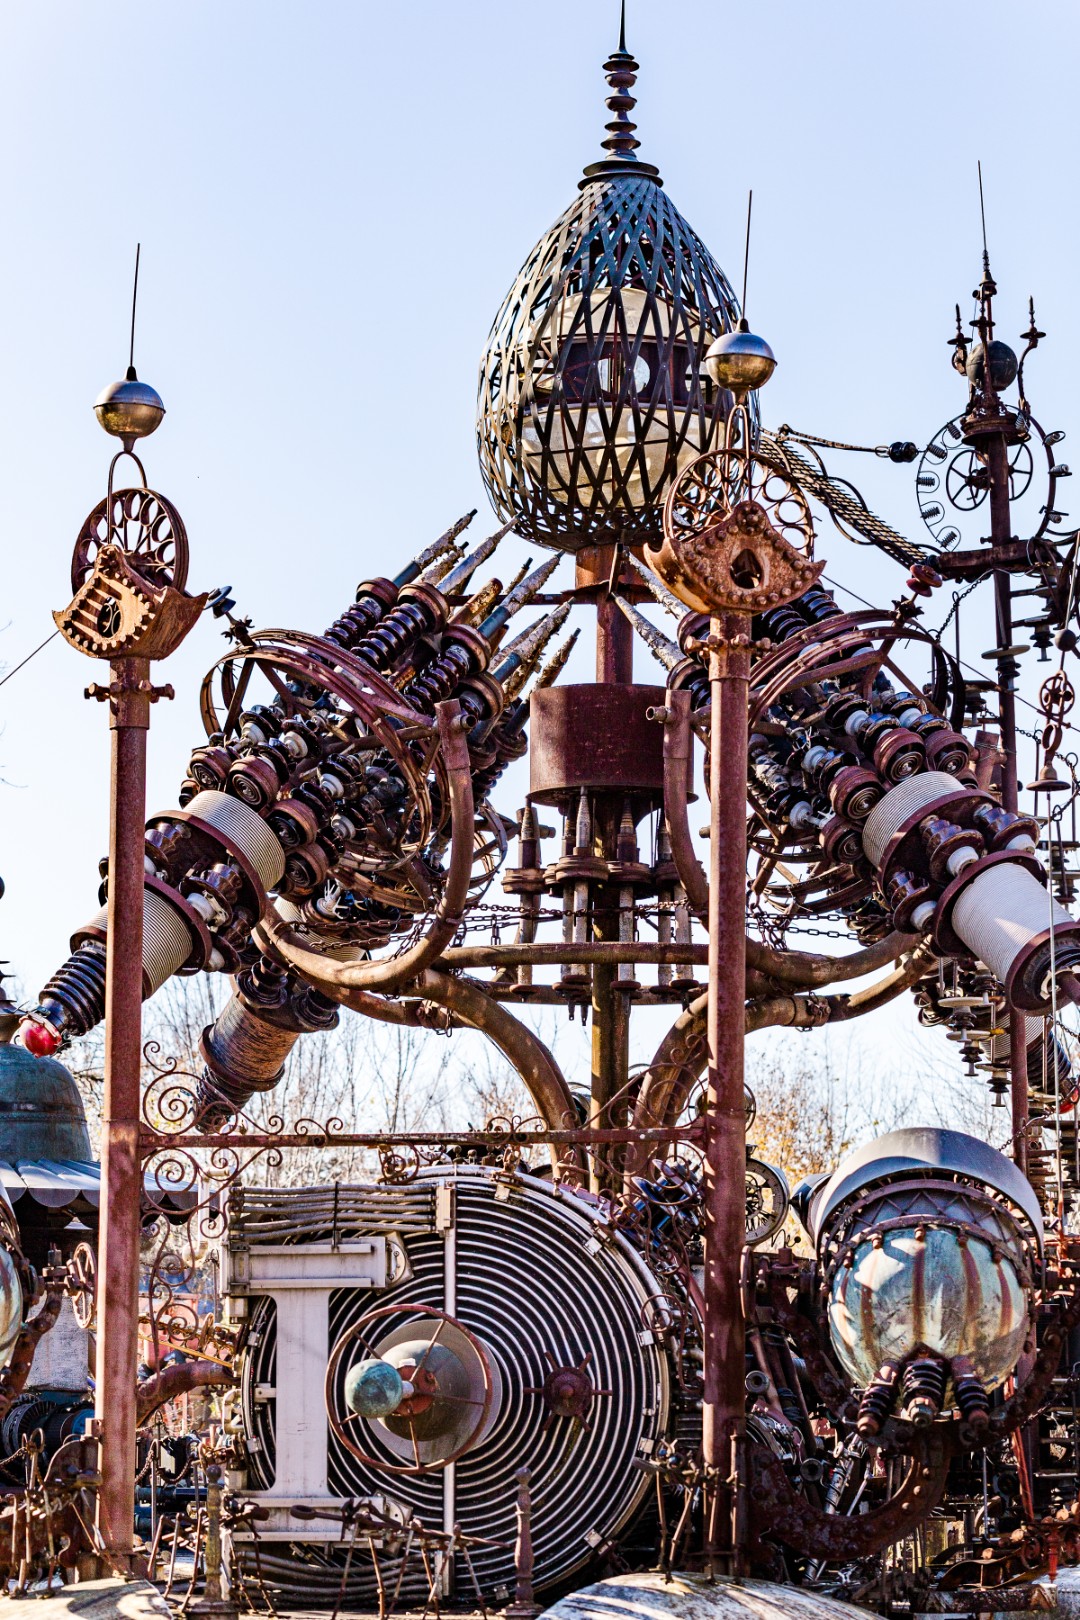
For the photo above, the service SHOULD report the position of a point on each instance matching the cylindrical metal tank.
(927, 1240)
(652, 1596)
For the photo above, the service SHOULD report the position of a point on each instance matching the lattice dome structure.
(593, 392)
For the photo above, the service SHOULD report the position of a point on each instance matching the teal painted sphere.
(373, 1388)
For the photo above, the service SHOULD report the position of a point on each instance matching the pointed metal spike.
(555, 666)
(659, 592)
(665, 651)
(445, 543)
(460, 576)
(520, 575)
(523, 657)
(494, 625)
(526, 642)
(478, 606)
(439, 569)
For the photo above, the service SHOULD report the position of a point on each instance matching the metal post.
(524, 1605)
(121, 1171)
(997, 461)
(725, 1146)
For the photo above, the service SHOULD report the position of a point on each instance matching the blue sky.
(332, 200)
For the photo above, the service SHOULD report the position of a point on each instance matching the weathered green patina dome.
(41, 1113)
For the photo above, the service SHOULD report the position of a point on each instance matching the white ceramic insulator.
(245, 828)
(167, 939)
(999, 911)
(922, 915)
(960, 858)
(904, 800)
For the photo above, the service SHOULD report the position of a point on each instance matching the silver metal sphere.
(130, 409)
(739, 361)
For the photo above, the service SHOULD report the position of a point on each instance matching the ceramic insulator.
(167, 939)
(902, 801)
(1000, 910)
(244, 828)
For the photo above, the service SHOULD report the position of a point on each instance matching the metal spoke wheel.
(146, 527)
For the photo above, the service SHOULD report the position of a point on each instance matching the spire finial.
(621, 142)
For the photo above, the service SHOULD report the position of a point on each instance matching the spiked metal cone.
(459, 577)
(663, 650)
(438, 548)
(494, 625)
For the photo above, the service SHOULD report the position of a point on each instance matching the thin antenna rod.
(622, 27)
(746, 253)
(134, 301)
(982, 215)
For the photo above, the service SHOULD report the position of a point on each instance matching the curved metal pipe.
(682, 1054)
(179, 1379)
(806, 970)
(469, 1004)
(281, 941)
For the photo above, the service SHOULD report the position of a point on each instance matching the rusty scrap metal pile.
(577, 1344)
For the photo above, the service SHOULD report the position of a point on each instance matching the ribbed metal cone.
(555, 666)
(495, 624)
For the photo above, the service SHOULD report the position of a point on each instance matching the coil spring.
(393, 635)
(877, 1401)
(923, 1388)
(354, 623)
(971, 1397)
(453, 664)
(817, 605)
(485, 780)
(77, 989)
(780, 623)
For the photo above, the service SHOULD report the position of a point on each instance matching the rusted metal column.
(121, 1170)
(725, 1146)
(614, 633)
(997, 461)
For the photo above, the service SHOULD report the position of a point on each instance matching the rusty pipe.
(681, 1055)
(282, 942)
(677, 763)
(806, 970)
(179, 1379)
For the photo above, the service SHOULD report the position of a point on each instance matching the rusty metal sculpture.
(334, 845)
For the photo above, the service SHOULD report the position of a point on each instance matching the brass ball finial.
(129, 410)
(739, 361)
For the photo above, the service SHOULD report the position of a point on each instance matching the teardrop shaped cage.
(593, 391)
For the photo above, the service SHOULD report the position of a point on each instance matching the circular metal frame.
(338, 1424)
(145, 526)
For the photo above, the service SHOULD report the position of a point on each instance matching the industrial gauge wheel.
(953, 483)
(83, 1271)
(767, 1201)
(146, 527)
(428, 1383)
